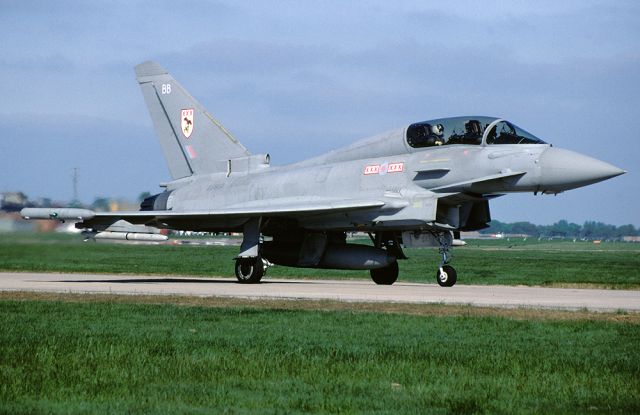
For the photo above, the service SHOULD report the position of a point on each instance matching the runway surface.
(353, 291)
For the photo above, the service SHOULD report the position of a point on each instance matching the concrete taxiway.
(353, 291)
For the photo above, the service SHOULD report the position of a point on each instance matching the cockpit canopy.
(467, 130)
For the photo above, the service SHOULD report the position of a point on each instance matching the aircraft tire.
(448, 277)
(249, 270)
(385, 276)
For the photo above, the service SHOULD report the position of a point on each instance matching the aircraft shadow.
(174, 280)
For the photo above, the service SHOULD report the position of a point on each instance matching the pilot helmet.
(437, 129)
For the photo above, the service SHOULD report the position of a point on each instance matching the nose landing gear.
(446, 275)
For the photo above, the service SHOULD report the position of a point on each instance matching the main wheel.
(448, 276)
(385, 276)
(249, 270)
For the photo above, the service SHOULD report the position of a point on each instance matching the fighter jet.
(419, 185)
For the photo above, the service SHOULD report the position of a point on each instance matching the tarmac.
(338, 290)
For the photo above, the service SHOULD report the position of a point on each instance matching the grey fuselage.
(435, 188)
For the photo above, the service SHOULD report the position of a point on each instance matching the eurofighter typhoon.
(415, 186)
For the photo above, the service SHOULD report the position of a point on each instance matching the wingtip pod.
(149, 68)
(71, 214)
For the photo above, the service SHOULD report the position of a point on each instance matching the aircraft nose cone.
(563, 170)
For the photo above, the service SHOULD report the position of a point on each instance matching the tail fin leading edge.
(192, 141)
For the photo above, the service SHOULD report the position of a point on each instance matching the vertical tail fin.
(193, 142)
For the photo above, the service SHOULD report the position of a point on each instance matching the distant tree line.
(564, 229)
(16, 201)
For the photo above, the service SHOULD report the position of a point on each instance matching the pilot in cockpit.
(438, 131)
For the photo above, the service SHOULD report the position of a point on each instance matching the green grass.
(530, 262)
(61, 357)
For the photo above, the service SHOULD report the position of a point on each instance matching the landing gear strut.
(250, 266)
(446, 275)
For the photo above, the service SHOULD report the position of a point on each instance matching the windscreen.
(506, 133)
(466, 130)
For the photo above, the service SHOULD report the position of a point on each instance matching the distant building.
(12, 201)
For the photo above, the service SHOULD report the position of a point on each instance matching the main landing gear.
(250, 270)
(250, 266)
(389, 241)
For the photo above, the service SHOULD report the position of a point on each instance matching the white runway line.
(353, 291)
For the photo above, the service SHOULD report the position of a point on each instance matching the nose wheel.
(446, 276)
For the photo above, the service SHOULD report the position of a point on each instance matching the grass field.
(531, 262)
(98, 357)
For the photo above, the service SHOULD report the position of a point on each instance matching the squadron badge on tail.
(186, 122)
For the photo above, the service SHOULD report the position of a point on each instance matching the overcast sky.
(296, 79)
